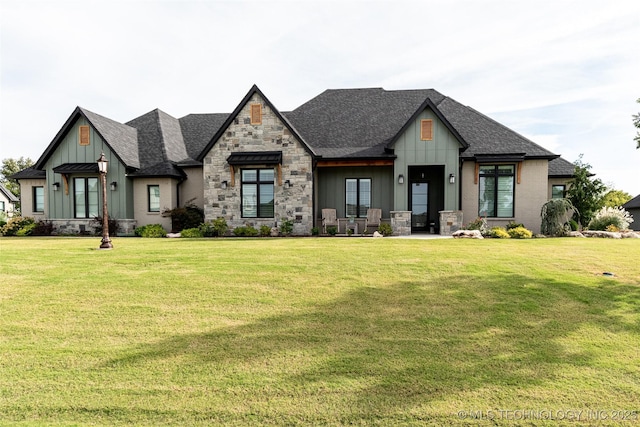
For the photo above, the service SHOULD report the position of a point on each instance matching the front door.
(419, 205)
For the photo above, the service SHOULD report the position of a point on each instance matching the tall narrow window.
(358, 196)
(496, 191)
(256, 114)
(85, 191)
(426, 130)
(153, 198)
(85, 138)
(38, 199)
(2, 206)
(258, 193)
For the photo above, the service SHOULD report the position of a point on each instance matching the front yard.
(313, 331)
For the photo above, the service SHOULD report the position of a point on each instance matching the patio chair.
(373, 218)
(329, 218)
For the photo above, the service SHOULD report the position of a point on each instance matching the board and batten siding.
(411, 150)
(331, 184)
(60, 205)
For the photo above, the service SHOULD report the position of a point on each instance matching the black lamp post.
(102, 168)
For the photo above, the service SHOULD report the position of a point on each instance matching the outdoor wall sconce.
(223, 185)
(452, 179)
(56, 186)
(287, 184)
(400, 179)
(114, 186)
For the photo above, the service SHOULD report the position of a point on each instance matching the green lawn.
(313, 331)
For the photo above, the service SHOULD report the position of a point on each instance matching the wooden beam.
(475, 177)
(279, 170)
(518, 171)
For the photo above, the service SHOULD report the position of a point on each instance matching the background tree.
(11, 166)
(636, 123)
(615, 198)
(585, 192)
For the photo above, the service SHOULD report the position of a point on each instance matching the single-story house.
(633, 207)
(430, 163)
(8, 202)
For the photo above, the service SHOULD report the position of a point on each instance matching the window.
(257, 193)
(358, 196)
(1, 205)
(426, 130)
(85, 197)
(497, 185)
(557, 191)
(38, 199)
(256, 114)
(153, 192)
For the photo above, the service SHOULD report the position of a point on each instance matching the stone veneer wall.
(450, 222)
(401, 223)
(87, 227)
(294, 203)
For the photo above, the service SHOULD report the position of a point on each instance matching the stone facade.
(293, 183)
(450, 222)
(401, 223)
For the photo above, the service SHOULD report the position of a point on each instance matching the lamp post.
(102, 168)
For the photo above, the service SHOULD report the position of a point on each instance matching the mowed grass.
(318, 331)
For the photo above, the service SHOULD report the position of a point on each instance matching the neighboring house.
(429, 162)
(633, 207)
(7, 202)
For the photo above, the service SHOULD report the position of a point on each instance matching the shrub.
(191, 233)
(97, 226)
(315, 231)
(520, 233)
(215, 228)
(332, 230)
(150, 230)
(385, 229)
(478, 224)
(286, 227)
(513, 224)
(188, 216)
(26, 230)
(607, 216)
(245, 230)
(14, 225)
(265, 231)
(557, 217)
(499, 233)
(43, 228)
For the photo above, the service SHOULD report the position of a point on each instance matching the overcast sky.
(565, 74)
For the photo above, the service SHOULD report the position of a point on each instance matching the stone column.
(450, 222)
(401, 223)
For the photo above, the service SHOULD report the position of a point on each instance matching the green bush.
(265, 231)
(385, 229)
(191, 233)
(151, 231)
(245, 231)
(513, 224)
(15, 224)
(26, 230)
(520, 233)
(286, 227)
(215, 228)
(315, 231)
(478, 224)
(499, 233)
(43, 228)
(188, 216)
(332, 230)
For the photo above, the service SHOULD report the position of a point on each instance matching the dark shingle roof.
(633, 203)
(561, 168)
(120, 137)
(198, 129)
(29, 173)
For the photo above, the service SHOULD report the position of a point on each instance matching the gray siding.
(60, 204)
(331, 188)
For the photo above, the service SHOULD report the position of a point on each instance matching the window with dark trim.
(38, 199)
(557, 191)
(1, 205)
(358, 196)
(153, 198)
(496, 191)
(85, 197)
(257, 193)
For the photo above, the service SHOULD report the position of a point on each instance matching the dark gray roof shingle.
(633, 204)
(121, 138)
(198, 129)
(561, 168)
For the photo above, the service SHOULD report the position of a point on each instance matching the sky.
(563, 73)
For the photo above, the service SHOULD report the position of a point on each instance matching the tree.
(615, 198)
(585, 192)
(11, 166)
(636, 123)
